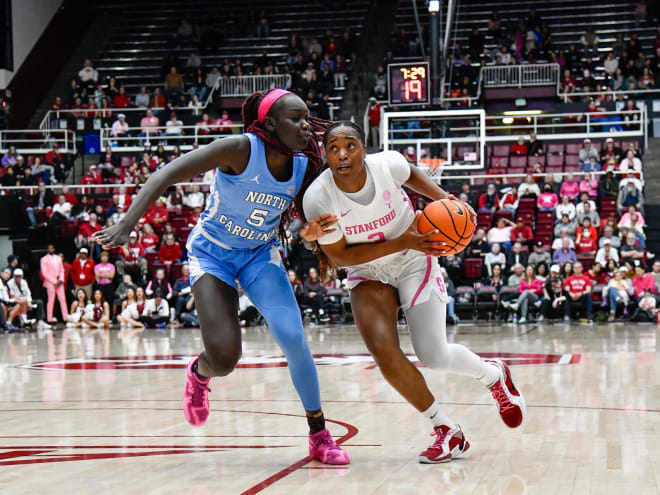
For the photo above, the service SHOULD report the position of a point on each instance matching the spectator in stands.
(607, 253)
(642, 282)
(539, 255)
(610, 151)
(373, 111)
(626, 219)
(195, 106)
(204, 128)
(590, 166)
(120, 127)
(82, 272)
(646, 79)
(586, 151)
(516, 255)
(9, 179)
(565, 254)
(579, 288)
(535, 147)
(142, 98)
(88, 75)
(173, 85)
(656, 274)
(567, 225)
(314, 293)
(631, 250)
(516, 276)
(519, 149)
(85, 232)
(630, 162)
(173, 127)
(478, 247)
(570, 187)
(297, 286)
(566, 207)
(629, 196)
(149, 124)
(41, 201)
(529, 188)
(547, 200)
(156, 312)
(149, 239)
(159, 283)
(194, 198)
(489, 201)
(10, 158)
(223, 123)
(121, 99)
(608, 234)
(157, 99)
(530, 291)
(586, 212)
(495, 256)
(589, 41)
(170, 251)
(608, 186)
(132, 258)
(501, 233)
(618, 291)
(104, 271)
(509, 201)
(585, 244)
(52, 274)
(521, 232)
(182, 291)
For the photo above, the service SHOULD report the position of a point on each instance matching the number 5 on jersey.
(257, 217)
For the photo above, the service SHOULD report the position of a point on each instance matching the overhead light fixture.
(507, 120)
(519, 113)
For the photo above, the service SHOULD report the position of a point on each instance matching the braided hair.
(313, 152)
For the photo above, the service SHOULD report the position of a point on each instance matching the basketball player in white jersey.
(390, 265)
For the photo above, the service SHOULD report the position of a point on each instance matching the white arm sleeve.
(316, 202)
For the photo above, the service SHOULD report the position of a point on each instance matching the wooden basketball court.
(98, 413)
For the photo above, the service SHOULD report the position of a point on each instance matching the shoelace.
(502, 398)
(440, 438)
(326, 440)
(198, 393)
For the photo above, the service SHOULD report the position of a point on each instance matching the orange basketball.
(453, 222)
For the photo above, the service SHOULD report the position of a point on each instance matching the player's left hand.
(318, 227)
(471, 212)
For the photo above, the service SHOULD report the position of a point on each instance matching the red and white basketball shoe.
(323, 448)
(450, 443)
(510, 400)
(196, 397)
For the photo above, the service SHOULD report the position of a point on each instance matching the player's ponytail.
(313, 152)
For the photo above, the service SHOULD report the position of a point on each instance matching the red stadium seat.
(554, 169)
(571, 160)
(503, 214)
(500, 150)
(502, 160)
(555, 160)
(175, 271)
(517, 161)
(571, 168)
(545, 217)
(473, 267)
(573, 148)
(527, 204)
(555, 148)
(485, 219)
(533, 160)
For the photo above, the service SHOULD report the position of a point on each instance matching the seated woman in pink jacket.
(569, 187)
(530, 290)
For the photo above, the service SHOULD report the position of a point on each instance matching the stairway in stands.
(652, 195)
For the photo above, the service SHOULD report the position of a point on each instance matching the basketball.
(453, 222)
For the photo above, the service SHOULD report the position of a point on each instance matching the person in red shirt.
(70, 197)
(86, 231)
(521, 232)
(53, 157)
(519, 149)
(170, 251)
(374, 123)
(597, 274)
(585, 243)
(194, 216)
(579, 287)
(121, 100)
(223, 123)
(158, 214)
(149, 239)
(489, 201)
(82, 272)
(93, 177)
(643, 281)
(131, 258)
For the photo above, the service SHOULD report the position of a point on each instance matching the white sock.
(437, 416)
(492, 373)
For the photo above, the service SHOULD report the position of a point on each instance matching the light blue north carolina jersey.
(243, 211)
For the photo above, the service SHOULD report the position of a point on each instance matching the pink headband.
(268, 102)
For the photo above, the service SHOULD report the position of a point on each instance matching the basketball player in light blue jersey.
(257, 177)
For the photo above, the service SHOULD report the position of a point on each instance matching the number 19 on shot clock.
(409, 83)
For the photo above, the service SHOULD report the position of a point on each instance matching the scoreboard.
(408, 83)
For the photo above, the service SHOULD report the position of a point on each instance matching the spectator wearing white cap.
(610, 151)
(120, 126)
(630, 163)
(606, 253)
(82, 272)
(587, 150)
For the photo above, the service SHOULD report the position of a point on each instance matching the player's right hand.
(412, 239)
(113, 236)
(318, 227)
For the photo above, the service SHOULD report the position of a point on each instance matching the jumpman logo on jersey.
(255, 178)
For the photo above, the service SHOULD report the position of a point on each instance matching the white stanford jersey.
(387, 216)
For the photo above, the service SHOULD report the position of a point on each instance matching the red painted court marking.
(325, 467)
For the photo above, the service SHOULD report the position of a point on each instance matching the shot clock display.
(409, 83)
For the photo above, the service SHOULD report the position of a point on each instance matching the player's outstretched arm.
(230, 154)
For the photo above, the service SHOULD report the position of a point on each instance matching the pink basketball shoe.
(323, 448)
(510, 401)
(450, 443)
(196, 397)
